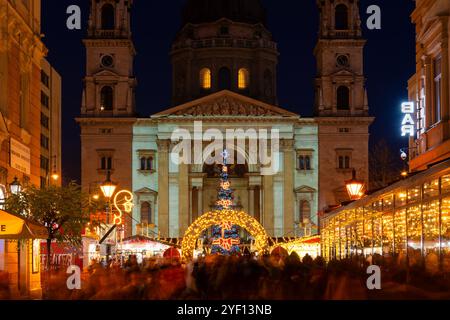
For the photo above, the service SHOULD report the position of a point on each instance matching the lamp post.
(108, 188)
(354, 187)
(15, 187)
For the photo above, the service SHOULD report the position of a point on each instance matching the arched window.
(224, 79)
(341, 17)
(146, 213)
(343, 98)
(243, 79)
(205, 79)
(2, 197)
(305, 212)
(108, 19)
(268, 83)
(107, 98)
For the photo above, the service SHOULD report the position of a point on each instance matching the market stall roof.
(16, 227)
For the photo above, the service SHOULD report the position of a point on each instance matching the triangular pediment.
(305, 189)
(226, 103)
(344, 72)
(146, 190)
(106, 73)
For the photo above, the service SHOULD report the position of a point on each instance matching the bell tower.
(108, 105)
(109, 85)
(340, 81)
(341, 104)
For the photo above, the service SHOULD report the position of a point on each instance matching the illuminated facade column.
(428, 86)
(268, 218)
(163, 187)
(196, 198)
(445, 78)
(288, 194)
(254, 191)
(183, 198)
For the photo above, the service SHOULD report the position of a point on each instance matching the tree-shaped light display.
(225, 237)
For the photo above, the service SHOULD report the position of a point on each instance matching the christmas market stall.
(20, 254)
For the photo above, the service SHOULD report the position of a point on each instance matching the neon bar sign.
(408, 122)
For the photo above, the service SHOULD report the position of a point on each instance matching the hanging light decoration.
(355, 187)
(108, 187)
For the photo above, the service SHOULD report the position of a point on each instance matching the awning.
(15, 227)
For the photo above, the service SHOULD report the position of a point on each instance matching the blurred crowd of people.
(218, 277)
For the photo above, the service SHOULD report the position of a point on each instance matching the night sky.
(389, 61)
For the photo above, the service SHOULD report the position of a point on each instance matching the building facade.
(50, 125)
(108, 106)
(410, 220)
(429, 88)
(341, 106)
(21, 54)
(224, 78)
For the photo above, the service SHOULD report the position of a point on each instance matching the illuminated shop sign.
(408, 123)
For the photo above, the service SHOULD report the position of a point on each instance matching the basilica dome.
(204, 11)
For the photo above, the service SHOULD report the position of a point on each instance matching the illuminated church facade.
(225, 78)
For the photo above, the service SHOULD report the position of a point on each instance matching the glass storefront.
(409, 221)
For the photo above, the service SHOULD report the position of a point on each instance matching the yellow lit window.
(205, 78)
(243, 78)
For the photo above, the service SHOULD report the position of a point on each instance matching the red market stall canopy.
(16, 227)
(172, 253)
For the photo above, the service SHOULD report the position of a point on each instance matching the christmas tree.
(225, 237)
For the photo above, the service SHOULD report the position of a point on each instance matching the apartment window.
(437, 89)
(304, 160)
(105, 131)
(146, 213)
(45, 100)
(106, 163)
(44, 121)
(146, 163)
(344, 130)
(45, 79)
(44, 163)
(44, 142)
(2, 197)
(344, 162)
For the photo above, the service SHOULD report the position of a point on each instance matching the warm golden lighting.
(404, 173)
(95, 197)
(125, 203)
(108, 187)
(354, 187)
(205, 78)
(243, 78)
(55, 176)
(232, 217)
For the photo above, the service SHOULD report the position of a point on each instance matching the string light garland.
(214, 218)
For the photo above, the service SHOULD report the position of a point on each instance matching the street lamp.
(354, 187)
(108, 187)
(15, 187)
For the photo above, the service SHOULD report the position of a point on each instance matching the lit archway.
(209, 219)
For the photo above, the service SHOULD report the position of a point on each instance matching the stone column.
(183, 198)
(163, 187)
(288, 187)
(251, 200)
(268, 218)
